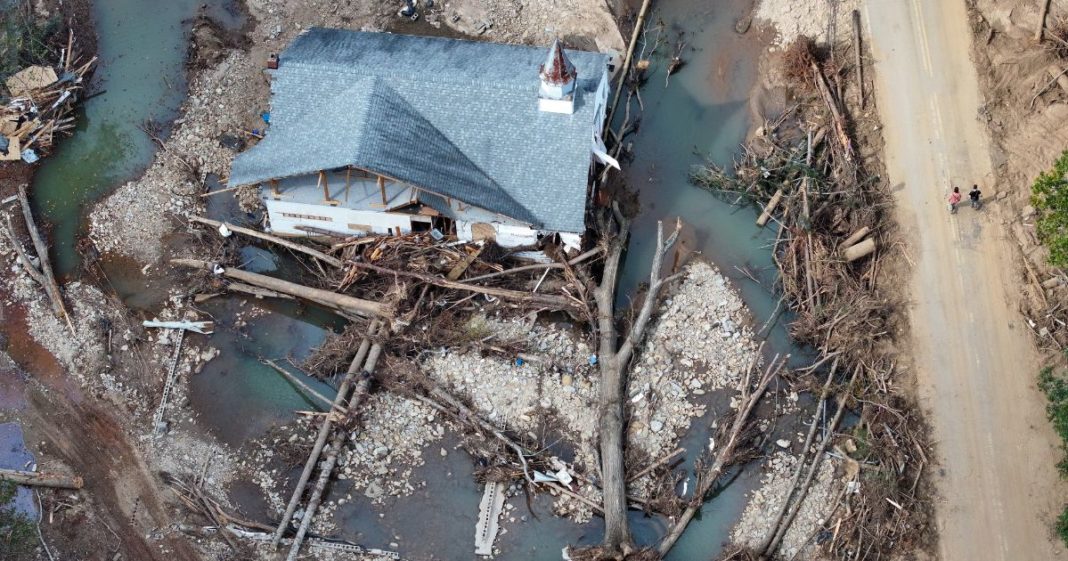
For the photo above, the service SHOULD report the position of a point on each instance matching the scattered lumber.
(39, 479)
(547, 300)
(340, 302)
(862, 249)
(328, 259)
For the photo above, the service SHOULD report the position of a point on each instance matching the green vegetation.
(24, 40)
(1049, 196)
(1056, 390)
(1062, 525)
(17, 535)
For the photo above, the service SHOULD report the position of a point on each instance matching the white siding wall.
(285, 216)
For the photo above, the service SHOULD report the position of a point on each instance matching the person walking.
(954, 199)
(974, 196)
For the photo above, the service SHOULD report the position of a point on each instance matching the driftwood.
(1042, 20)
(38, 479)
(726, 455)
(324, 432)
(854, 252)
(539, 266)
(614, 362)
(648, 469)
(339, 302)
(46, 278)
(770, 208)
(308, 390)
(547, 300)
(780, 532)
(855, 237)
(638, 25)
(257, 291)
(763, 549)
(334, 448)
(859, 55)
(330, 260)
(836, 114)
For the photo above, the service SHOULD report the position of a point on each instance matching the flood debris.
(39, 479)
(39, 268)
(38, 104)
(835, 235)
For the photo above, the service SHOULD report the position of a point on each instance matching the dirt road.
(974, 363)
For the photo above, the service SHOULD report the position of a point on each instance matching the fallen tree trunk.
(51, 287)
(638, 25)
(37, 479)
(324, 432)
(726, 454)
(336, 443)
(340, 302)
(547, 300)
(614, 362)
(273, 239)
(538, 266)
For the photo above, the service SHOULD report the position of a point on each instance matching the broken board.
(30, 78)
(13, 151)
(489, 512)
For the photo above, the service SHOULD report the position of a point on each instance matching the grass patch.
(17, 535)
(25, 40)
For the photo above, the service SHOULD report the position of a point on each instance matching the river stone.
(656, 425)
(567, 380)
(381, 452)
(374, 491)
(783, 443)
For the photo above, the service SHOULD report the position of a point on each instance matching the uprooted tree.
(614, 355)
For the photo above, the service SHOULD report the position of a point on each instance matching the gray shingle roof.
(457, 117)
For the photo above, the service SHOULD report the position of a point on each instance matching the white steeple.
(558, 79)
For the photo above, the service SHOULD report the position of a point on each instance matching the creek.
(702, 113)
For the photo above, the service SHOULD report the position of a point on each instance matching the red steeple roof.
(557, 69)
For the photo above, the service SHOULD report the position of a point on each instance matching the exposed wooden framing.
(382, 189)
(348, 182)
(274, 189)
(326, 190)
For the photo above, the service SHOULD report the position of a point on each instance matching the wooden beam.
(326, 190)
(340, 302)
(273, 239)
(274, 189)
(38, 479)
(348, 182)
(382, 188)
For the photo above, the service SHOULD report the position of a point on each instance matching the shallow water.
(14, 455)
(142, 52)
(702, 113)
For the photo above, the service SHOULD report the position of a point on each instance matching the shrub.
(24, 41)
(1056, 390)
(1049, 196)
(1062, 525)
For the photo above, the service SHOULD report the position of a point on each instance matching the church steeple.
(558, 78)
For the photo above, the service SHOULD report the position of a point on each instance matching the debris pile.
(803, 171)
(38, 105)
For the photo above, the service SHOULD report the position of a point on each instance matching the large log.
(42, 255)
(37, 479)
(324, 432)
(340, 302)
(269, 238)
(856, 236)
(638, 25)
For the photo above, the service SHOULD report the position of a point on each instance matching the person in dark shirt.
(974, 195)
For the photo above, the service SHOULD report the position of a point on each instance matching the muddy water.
(141, 52)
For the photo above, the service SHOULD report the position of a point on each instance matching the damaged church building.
(380, 133)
